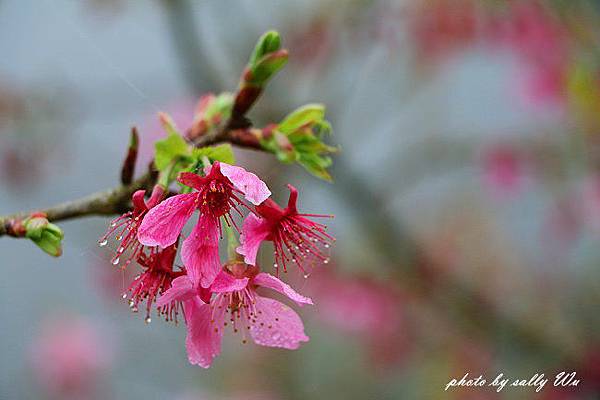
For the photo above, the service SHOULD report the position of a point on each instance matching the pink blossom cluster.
(212, 294)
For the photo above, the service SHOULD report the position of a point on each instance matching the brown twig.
(117, 200)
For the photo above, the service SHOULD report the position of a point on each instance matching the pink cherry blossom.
(156, 277)
(295, 237)
(216, 194)
(127, 226)
(236, 303)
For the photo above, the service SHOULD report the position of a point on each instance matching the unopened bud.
(44, 234)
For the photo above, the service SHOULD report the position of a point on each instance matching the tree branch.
(117, 200)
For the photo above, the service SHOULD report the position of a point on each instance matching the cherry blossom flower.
(127, 226)
(236, 304)
(295, 237)
(216, 194)
(156, 278)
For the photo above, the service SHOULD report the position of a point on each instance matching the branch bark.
(117, 200)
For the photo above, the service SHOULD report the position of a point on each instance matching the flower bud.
(44, 234)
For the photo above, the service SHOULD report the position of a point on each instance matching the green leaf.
(170, 149)
(299, 138)
(268, 43)
(222, 152)
(304, 115)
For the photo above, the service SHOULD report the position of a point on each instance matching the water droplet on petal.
(326, 261)
(115, 261)
(306, 276)
(327, 245)
(275, 265)
(148, 320)
(103, 243)
(113, 224)
(124, 296)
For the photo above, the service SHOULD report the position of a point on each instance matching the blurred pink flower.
(269, 322)
(503, 169)
(541, 41)
(69, 356)
(361, 306)
(440, 27)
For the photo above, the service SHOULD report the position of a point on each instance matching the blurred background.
(466, 195)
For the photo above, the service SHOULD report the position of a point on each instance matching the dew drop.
(306, 276)
(326, 261)
(115, 261)
(113, 224)
(103, 243)
(327, 245)
(121, 249)
(307, 250)
(124, 296)
(275, 265)
(131, 303)
(148, 320)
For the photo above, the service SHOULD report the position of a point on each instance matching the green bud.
(265, 67)
(269, 42)
(44, 234)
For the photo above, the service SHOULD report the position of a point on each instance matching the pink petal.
(225, 282)
(203, 344)
(162, 224)
(254, 189)
(137, 200)
(200, 252)
(287, 330)
(267, 280)
(181, 289)
(192, 180)
(254, 231)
